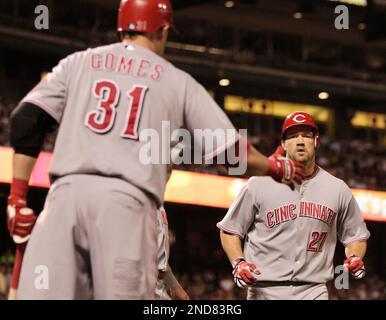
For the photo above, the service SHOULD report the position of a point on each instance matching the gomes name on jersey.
(288, 212)
(126, 65)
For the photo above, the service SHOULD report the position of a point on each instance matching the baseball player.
(166, 279)
(98, 226)
(290, 235)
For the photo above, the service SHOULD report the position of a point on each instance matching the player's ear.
(162, 33)
(283, 145)
(317, 142)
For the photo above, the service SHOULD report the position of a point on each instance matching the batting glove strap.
(19, 188)
(236, 262)
(355, 266)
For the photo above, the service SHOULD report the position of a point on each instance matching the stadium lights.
(361, 3)
(323, 95)
(229, 4)
(195, 188)
(297, 15)
(361, 26)
(224, 82)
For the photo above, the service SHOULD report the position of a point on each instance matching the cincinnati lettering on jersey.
(306, 210)
(316, 211)
(126, 65)
(279, 215)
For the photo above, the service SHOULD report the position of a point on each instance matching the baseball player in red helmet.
(290, 234)
(98, 226)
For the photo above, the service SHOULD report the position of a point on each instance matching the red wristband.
(19, 188)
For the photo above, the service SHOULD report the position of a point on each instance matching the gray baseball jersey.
(291, 235)
(105, 97)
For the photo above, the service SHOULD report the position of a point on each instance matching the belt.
(281, 283)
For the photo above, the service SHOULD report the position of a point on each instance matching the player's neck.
(141, 41)
(309, 168)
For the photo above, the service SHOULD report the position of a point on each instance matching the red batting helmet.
(144, 15)
(299, 118)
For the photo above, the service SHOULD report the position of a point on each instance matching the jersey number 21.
(317, 242)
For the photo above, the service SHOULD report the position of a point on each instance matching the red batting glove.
(355, 266)
(20, 218)
(285, 170)
(244, 273)
(279, 151)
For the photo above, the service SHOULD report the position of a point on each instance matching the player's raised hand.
(355, 266)
(244, 273)
(285, 170)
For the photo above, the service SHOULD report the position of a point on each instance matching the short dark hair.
(130, 34)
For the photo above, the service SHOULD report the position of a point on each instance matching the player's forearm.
(231, 245)
(169, 279)
(257, 163)
(176, 291)
(22, 166)
(356, 248)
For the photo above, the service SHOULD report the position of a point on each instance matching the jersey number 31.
(107, 94)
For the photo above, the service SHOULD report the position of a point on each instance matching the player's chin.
(301, 157)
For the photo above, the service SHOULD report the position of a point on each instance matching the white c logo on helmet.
(299, 120)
